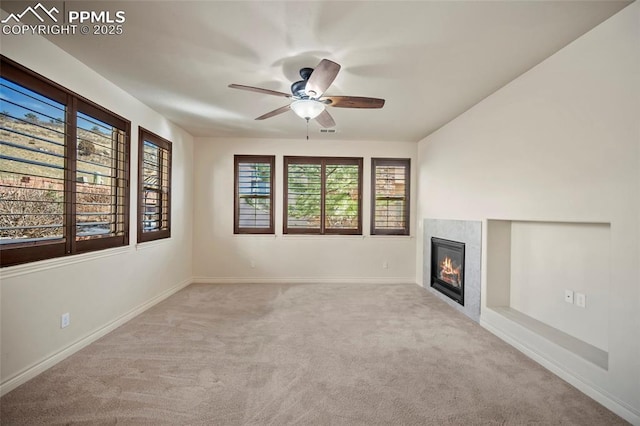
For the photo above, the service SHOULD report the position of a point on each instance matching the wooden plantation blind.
(253, 200)
(64, 172)
(101, 178)
(390, 204)
(304, 195)
(154, 186)
(32, 173)
(342, 196)
(323, 195)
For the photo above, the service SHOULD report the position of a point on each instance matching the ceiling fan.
(308, 102)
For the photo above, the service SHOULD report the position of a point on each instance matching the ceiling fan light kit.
(307, 108)
(308, 102)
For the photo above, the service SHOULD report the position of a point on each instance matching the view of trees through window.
(342, 196)
(323, 195)
(304, 196)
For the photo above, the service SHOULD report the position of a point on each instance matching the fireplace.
(447, 268)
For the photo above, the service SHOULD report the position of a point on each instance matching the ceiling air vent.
(327, 130)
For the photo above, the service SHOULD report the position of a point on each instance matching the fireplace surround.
(468, 232)
(447, 268)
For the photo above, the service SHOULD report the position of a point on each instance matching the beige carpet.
(300, 355)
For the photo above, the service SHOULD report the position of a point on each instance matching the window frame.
(323, 162)
(17, 253)
(265, 159)
(166, 147)
(381, 162)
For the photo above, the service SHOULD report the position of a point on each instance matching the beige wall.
(219, 255)
(558, 144)
(97, 289)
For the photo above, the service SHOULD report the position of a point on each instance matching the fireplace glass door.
(447, 268)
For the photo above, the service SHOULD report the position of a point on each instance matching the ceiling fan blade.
(325, 119)
(321, 78)
(274, 112)
(259, 90)
(353, 102)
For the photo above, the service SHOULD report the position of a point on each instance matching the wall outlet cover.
(65, 320)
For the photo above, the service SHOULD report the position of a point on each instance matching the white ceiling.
(431, 61)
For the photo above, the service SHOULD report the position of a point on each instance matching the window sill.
(323, 236)
(43, 265)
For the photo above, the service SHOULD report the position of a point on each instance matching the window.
(154, 186)
(253, 200)
(390, 190)
(64, 171)
(322, 195)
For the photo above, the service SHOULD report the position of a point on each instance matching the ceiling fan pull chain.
(307, 129)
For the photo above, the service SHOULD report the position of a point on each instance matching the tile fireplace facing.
(452, 263)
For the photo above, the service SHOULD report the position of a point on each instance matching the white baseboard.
(600, 395)
(39, 367)
(289, 280)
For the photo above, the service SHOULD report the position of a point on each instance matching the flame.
(449, 273)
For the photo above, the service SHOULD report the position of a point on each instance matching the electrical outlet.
(385, 265)
(568, 296)
(65, 320)
(581, 300)
(253, 263)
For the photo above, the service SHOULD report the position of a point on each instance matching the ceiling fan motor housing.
(298, 89)
(305, 73)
